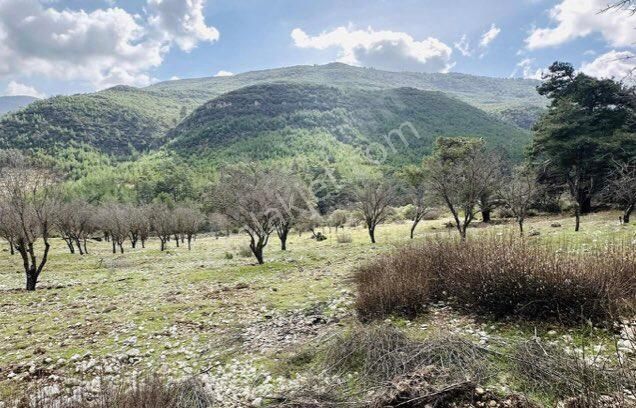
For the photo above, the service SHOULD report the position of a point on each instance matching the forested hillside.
(116, 121)
(123, 120)
(490, 94)
(278, 120)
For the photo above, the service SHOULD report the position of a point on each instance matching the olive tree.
(415, 180)
(29, 198)
(374, 199)
(621, 187)
(246, 194)
(459, 173)
(162, 223)
(188, 222)
(519, 191)
(115, 221)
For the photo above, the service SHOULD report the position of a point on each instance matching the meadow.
(247, 328)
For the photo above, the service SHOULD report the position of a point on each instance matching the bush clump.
(502, 276)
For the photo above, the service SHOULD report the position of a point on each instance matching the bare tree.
(309, 221)
(293, 198)
(8, 227)
(338, 219)
(188, 222)
(115, 221)
(415, 178)
(75, 222)
(459, 173)
(163, 223)
(621, 187)
(374, 199)
(29, 197)
(138, 224)
(519, 191)
(246, 194)
(219, 224)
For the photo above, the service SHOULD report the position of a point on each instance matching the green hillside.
(116, 121)
(279, 121)
(490, 94)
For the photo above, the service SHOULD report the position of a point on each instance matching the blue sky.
(53, 47)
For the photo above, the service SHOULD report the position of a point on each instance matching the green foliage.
(120, 121)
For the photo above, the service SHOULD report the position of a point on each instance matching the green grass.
(92, 303)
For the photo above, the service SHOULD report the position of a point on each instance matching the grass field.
(184, 312)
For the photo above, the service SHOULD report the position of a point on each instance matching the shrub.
(344, 238)
(502, 276)
(245, 252)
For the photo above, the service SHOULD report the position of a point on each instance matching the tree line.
(584, 148)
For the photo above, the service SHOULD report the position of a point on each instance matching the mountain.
(124, 120)
(282, 121)
(490, 94)
(116, 121)
(13, 103)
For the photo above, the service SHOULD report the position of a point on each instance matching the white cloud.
(580, 18)
(489, 36)
(222, 73)
(390, 50)
(174, 78)
(463, 46)
(17, 89)
(614, 64)
(104, 47)
(181, 21)
(526, 69)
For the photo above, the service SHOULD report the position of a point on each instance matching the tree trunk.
(121, 247)
(114, 247)
(257, 250)
(577, 215)
(372, 234)
(69, 244)
(282, 235)
(79, 246)
(31, 279)
(163, 244)
(176, 239)
(413, 227)
(85, 248)
(189, 243)
(462, 232)
(627, 213)
(520, 221)
(143, 243)
(485, 215)
(11, 248)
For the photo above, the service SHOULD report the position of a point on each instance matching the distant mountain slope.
(13, 103)
(122, 120)
(276, 121)
(490, 94)
(116, 121)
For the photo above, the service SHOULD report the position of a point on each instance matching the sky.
(53, 47)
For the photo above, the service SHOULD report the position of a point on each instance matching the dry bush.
(502, 276)
(582, 380)
(380, 353)
(344, 238)
(152, 392)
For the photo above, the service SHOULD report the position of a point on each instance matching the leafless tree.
(309, 221)
(29, 197)
(246, 194)
(338, 219)
(519, 191)
(163, 223)
(621, 187)
(219, 224)
(459, 173)
(292, 198)
(8, 227)
(114, 219)
(415, 179)
(138, 224)
(188, 222)
(374, 199)
(74, 223)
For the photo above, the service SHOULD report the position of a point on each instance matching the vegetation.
(503, 277)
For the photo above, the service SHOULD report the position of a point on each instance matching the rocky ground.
(213, 314)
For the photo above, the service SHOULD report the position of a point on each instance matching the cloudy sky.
(50, 47)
